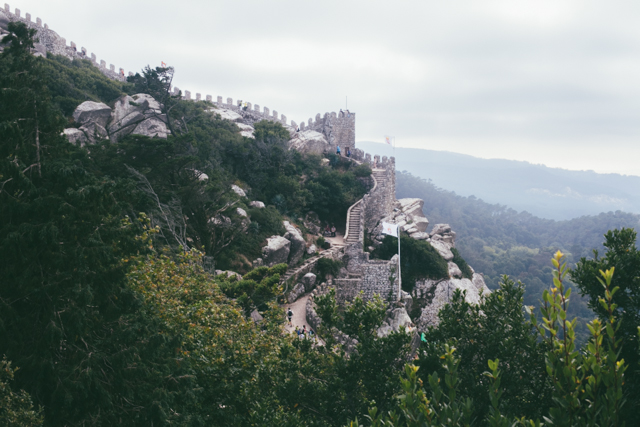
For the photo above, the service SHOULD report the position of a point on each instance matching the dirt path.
(299, 313)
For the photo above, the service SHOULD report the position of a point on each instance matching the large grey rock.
(309, 142)
(421, 223)
(276, 251)
(298, 244)
(246, 130)
(239, 191)
(295, 293)
(311, 250)
(94, 132)
(442, 249)
(454, 270)
(241, 212)
(75, 136)
(478, 282)
(399, 317)
(420, 235)
(139, 114)
(309, 281)
(442, 295)
(256, 316)
(441, 229)
(412, 207)
(90, 112)
(152, 127)
(226, 114)
(257, 204)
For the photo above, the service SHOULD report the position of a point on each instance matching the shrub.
(462, 264)
(419, 260)
(326, 266)
(362, 170)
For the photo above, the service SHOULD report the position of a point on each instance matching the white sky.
(550, 82)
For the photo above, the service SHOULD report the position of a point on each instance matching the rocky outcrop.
(239, 191)
(256, 204)
(298, 244)
(309, 142)
(443, 249)
(440, 293)
(138, 114)
(246, 130)
(276, 251)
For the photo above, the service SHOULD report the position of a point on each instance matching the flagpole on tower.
(399, 272)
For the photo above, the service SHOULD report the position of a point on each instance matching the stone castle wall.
(50, 41)
(339, 128)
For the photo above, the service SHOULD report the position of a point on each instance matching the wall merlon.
(229, 102)
(294, 124)
(93, 57)
(27, 16)
(112, 67)
(187, 95)
(176, 91)
(38, 22)
(266, 112)
(219, 100)
(103, 64)
(84, 51)
(73, 45)
(256, 108)
(275, 115)
(302, 126)
(46, 26)
(130, 74)
(17, 13)
(198, 97)
(249, 106)
(7, 8)
(283, 119)
(209, 98)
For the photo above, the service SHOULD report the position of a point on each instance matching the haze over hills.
(545, 192)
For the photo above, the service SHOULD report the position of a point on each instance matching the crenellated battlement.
(50, 41)
(337, 127)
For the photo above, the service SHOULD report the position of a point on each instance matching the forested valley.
(110, 316)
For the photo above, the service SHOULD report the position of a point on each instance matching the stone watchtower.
(343, 130)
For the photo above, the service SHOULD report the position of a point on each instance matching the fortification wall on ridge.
(338, 128)
(50, 41)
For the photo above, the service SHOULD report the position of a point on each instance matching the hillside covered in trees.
(108, 315)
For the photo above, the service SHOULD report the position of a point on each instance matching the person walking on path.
(333, 230)
(289, 315)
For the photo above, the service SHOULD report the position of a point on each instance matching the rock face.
(298, 244)
(311, 250)
(309, 142)
(276, 251)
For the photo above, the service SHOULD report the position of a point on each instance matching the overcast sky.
(551, 82)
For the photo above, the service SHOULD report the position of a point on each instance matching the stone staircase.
(352, 235)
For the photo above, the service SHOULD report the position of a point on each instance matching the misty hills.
(545, 192)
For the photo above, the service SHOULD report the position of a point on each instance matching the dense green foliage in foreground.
(110, 318)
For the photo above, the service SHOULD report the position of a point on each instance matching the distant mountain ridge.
(545, 192)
